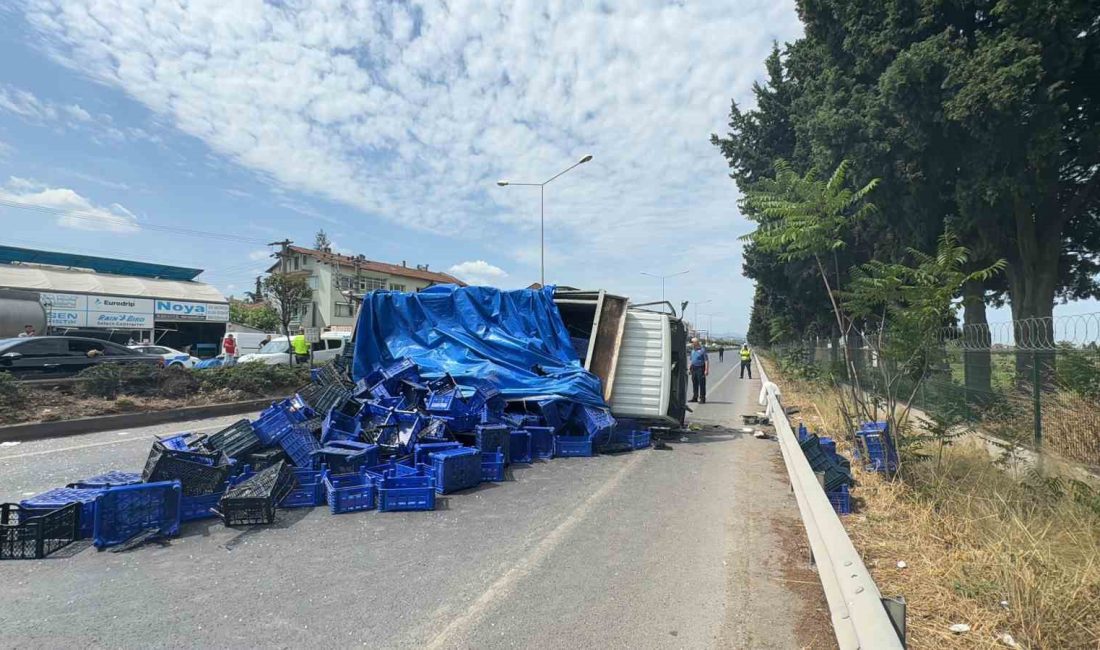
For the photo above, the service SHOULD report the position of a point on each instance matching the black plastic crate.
(322, 397)
(236, 440)
(265, 458)
(32, 535)
(253, 501)
(198, 473)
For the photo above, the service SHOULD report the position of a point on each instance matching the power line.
(120, 221)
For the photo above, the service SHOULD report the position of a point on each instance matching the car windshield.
(275, 347)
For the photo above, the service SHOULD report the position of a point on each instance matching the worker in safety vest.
(746, 360)
(300, 346)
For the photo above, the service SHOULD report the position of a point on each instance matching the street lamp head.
(586, 158)
(502, 183)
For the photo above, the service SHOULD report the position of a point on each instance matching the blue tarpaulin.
(516, 340)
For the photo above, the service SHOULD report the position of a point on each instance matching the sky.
(196, 132)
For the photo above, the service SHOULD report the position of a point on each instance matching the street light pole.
(697, 323)
(542, 211)
(663, 278)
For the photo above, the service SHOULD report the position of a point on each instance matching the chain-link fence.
(1035, 383)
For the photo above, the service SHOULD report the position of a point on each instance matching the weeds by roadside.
(1005, 556)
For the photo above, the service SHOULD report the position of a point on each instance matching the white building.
(333, 277)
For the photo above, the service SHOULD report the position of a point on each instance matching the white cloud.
(35, 110)
(478, 272)
(72, 210)
(410, 113)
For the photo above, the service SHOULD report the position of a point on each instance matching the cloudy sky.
(196, 132)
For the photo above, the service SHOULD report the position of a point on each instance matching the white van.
(277, 351)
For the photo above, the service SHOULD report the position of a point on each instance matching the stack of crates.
(876, 448)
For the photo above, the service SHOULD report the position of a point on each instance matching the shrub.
(253, 378)
(11, 392)
(109, 380)
(175, 382)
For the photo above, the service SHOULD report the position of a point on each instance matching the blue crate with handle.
(409, 492)
(455, 469)
(129, 510)
(640, 439)
(878, 452)
(542, 442)
(572, 446)
(352, 492)
(309, 491)
(840, 500)
(272, 424)
(345, 456)
(338, 425)
(422, 449)
(519, 444)
(492, 466)
(494, 437)
(60, 497)
(107, 479)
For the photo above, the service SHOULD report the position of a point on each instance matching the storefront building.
(120, 300)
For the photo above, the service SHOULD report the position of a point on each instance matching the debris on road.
(959, 628)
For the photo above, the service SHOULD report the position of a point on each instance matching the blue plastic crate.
(199, 507)
(353, 492)
(494, 437)
(410, 492)
(58, 497)
(878, 452)
(339, 426)
(828, 445)
(876, 427)
(519, 444)
(309, 491)
(597, 419)
(572, 446)
(271, 425)
(124, 511)
(448, 403)
(345, 456)
(803, 432)
(455, 469)
(841, 500)
(300, 447)
(492, 466)
(422, 449)
(542, 442)
(107, 479)
(640, 439)
(315, 375)
(409, 426)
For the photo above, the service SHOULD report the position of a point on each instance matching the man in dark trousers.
(700, 368)
(746, 360)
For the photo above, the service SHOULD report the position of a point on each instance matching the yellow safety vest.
(300, 344)
(745, 354)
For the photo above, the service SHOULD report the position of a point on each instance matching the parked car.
(172, 357)
(41, 357)
(330, 346)
(245, 342)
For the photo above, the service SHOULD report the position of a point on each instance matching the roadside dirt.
(53, 404)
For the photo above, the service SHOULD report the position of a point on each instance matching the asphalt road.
(680, 547)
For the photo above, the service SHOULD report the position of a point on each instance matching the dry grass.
(981, 548)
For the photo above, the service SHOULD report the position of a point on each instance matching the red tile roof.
(380, 267)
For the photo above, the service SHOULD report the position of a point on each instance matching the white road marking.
(506, 583)
(726, 376)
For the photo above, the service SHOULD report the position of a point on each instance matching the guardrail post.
(895, 609)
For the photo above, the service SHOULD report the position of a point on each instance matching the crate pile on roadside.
(390, 442)
(873, 445)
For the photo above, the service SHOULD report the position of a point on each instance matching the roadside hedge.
(246, 379)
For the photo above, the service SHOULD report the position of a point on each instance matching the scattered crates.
(494, 437)
(129, 510)
(35, 534)
(273, 423)
(341, 425)
(492, 466)
(542, 442)
(344, 456)
(198, 472)
(519, 444)
(878, 452)
(455, 469)
(309, 490)
(352, 492)
(409, 492)
(572, 446)
(60, 497)
(841, 500)
(107, 479)
(253, 500)
(264, 458)
(422, 449)
(300, 447)
(236, 440)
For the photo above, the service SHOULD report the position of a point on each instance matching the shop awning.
(50, 280)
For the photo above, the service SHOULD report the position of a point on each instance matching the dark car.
(41, 357)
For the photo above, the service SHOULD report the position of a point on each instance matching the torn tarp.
(515, 340)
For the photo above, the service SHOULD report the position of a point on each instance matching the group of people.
(700, 367)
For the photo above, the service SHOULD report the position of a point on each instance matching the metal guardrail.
(862, 618)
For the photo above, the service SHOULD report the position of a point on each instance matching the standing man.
(700, 368)
(721, 354)
(746, 360)
(300, 346)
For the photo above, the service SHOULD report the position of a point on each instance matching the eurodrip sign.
(111, 312)
(179, 310)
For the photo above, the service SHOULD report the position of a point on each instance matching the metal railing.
(859, 614)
